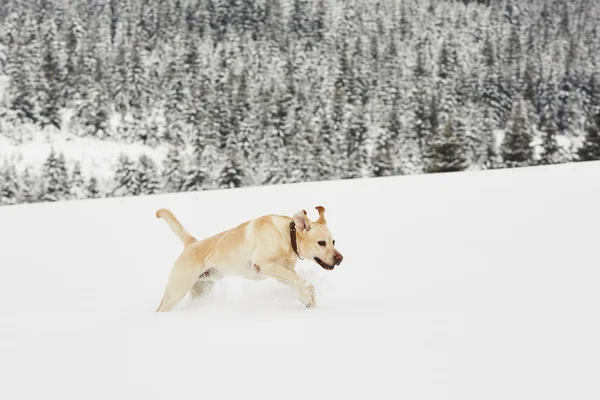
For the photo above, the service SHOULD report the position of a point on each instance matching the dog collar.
(293, 238)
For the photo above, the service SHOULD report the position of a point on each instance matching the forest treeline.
(256, 92)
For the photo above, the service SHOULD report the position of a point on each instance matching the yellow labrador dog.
(266, 247)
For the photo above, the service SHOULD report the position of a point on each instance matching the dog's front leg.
(306, 291)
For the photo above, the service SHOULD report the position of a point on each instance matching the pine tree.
(232, 175)
(590, 151)
(513, 51)
(51, 85)
(564, 114)
(592, 94)
(319, 22)
(173, 174)
(125, 182)
(91, 189)
(55, 178)
(95, 110)
(120, 77)
(324, 156)
(9, 185)
(516, 147)
(422, 117)
(77, 183)
(21, 93)
(548, 101)
(496, 97)
(73, 43)
(551, 149)
(136, 79)
(299, 20)
(447, 60)
(383, 163)
(177, 99)
(356, 140)
(446, 152)
(148, 182)
(196, 176)
(248, 17)
(241, 105)
(29, 186)
(114, 19)
(220, 114)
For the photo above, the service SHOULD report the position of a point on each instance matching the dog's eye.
(334, 242)
(322, 243)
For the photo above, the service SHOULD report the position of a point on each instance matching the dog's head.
(315, 241)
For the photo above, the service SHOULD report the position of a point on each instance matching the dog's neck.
(293, 239)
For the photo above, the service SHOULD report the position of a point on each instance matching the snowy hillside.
(477, 285)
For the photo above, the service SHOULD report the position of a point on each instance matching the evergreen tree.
(551, 149)
(177, 99)
(91, 189)
(564, 114)
(21, 92)
(10, 190)
(126, 177)
(496, 97)
(592, 94)
(383, 163)
(136, 79)
(29, 186)
(77, 182)
(147, 180)
(222, 129)
(319, 22)
(299, 20)
(422, 117)
(516, 147)
(590, 151)
(324, 149)
(446, 152)
(55, 178)
(231, 175)
(196, 175)
(120, 77)
(95, 110)
(73, 44)
(173, 174)
(356, 139)
(51, 84)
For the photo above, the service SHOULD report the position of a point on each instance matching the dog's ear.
(302, 221)
(321, 219)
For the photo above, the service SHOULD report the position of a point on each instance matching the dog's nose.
(338, 259)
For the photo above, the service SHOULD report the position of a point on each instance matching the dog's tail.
(175, 226)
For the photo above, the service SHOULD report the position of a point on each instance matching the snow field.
(453, 286)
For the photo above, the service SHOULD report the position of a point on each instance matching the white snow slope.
(476, 285)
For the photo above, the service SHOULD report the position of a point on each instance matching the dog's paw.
(308, 296)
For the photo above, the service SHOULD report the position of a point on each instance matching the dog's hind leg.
(201, 288)
(181, 280)
(205, 283)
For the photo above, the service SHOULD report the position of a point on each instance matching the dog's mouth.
(323, 265)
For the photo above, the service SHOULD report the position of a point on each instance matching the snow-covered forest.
(255, 92)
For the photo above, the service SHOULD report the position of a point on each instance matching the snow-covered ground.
(476, 285)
